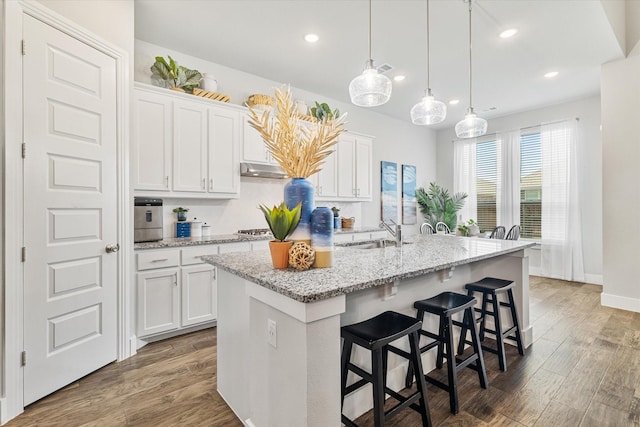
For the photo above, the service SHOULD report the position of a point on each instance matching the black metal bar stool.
(445, 305)
(375, 335)
(491, 288)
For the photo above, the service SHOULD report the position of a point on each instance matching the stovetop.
(254, 232)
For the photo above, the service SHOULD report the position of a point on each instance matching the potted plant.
(474, 228)
(336, 212)
(438, 205)
(181, 212)
(174, 76)
(463, 230)
(282, 222)
(324, 112)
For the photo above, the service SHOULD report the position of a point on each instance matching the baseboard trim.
(592, 279)
(623, 303)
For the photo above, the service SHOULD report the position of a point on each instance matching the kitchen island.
(279, 330)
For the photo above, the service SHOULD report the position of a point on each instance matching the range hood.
(257, 170)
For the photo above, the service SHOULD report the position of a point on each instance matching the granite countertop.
(176, 242)
(355, 269)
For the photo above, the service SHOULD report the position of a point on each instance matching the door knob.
(112, 248)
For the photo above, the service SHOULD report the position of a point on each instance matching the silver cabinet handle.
(112, 248)
(358, 192)
(160, 260)
(210, 183)
(204, 183)
(166, 181)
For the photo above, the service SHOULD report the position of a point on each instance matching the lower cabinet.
(158, 301)
(199, 288)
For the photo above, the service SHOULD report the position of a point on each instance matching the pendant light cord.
(370, 58)
(470, 69)
(428, 53)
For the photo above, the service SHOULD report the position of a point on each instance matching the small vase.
(280, 253)
(295, 191)
(322, 236)
(209, 83)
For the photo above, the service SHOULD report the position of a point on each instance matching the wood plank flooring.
(582, 370)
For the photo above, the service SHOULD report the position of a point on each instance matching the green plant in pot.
(281, 222)
(181, 213)
(437, 205)
(324, 112)
(173, 76)
(463, 230)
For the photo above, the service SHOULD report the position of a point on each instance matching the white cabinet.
(354, 167)
(199, 289)
(158, 301)
(326, 181)
(185, 146)
(190, 143)
(254, 150)
(151, 141)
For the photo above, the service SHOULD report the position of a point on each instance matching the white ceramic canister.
(206, 230)
(301, 107)
(196, 228)
(209, 83)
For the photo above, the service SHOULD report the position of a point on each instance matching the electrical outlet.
(272, 333)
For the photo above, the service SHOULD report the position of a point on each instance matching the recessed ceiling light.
(311, 38)
(551, 74)
(454, 102)
(508, 33)
(399, 78)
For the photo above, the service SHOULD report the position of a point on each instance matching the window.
(486, 184)
(530, 185)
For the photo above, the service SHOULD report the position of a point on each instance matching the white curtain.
(508, 186)
(464, 177)
(561, 221)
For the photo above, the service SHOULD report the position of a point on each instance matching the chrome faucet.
(395, 232)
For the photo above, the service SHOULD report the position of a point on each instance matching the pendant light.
(428, 111)
(370, 88)
(472, 125)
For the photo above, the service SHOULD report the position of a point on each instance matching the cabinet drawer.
(192, 255)
(158, 259)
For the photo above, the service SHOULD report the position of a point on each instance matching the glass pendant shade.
(471, 126)
(370, 88)
(428, 111)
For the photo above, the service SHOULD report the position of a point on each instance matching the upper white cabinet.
(326, 181)
(254, 149)
(354, 161)
(185, 146)
(152, 140)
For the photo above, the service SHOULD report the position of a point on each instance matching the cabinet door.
(253, 148)
(151, 140)
(327, 179)
(158, 301)
(190, 139)
(346, 164)
(224, 138)
(364, 158)
(199, 290)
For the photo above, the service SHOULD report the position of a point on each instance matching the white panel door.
(151, 141)
(224, 138)
(346, 164)
(70, 205)
(189, 146)
(364, 157)
(199, 294)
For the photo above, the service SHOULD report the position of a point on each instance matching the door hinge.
(23, 47)
(24, 254)
(24, 150)
(23, 358)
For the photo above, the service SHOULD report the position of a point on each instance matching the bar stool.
(375, 335)
(445, 305)
(491, 288)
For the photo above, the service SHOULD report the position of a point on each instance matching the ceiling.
(265, 37)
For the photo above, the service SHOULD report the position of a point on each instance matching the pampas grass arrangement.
(299, 150)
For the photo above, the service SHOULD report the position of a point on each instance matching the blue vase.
(295, 191)
(322, 236)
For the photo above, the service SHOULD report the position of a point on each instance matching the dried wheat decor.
(300, 150)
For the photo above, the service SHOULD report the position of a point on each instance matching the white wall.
(620, 84)
(590, 164)
(395, 140)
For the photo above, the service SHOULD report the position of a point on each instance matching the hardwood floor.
(583, 369)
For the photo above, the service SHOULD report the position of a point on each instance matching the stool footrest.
(355, 386)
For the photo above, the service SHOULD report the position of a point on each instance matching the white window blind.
(531, 186)
(486, 184)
